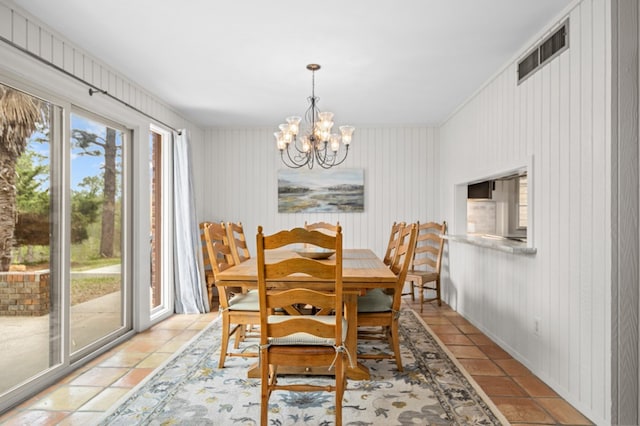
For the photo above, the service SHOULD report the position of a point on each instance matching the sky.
(322, 178)
(86, 165)
(81, 165)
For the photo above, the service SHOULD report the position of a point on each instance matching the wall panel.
(560, 116)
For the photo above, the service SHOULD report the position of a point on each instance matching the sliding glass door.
(65, 290)
(98, 295)
(30, 314)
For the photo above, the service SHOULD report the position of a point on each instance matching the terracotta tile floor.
(81, 397)
(520, 396)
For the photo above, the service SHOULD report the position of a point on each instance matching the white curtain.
(189, 289)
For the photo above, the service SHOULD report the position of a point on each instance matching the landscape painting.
(320, 191)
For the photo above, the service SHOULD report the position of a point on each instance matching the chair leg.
(264, 388)
(413, 295)
(438, 291)
(395, 343)
(240, 336)
(225, 338)
(210, 295)
(421, 290)
(340, 385)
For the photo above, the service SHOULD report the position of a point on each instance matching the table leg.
(358, 371)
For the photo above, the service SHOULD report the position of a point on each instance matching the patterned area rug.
(190, 390)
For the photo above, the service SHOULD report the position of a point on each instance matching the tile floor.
(81, 397)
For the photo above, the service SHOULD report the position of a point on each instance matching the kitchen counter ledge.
(501, 244)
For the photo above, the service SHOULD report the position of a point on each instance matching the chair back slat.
(238, 242)
(323, 227)
(311, 268)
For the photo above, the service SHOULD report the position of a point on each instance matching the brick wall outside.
(24, 293)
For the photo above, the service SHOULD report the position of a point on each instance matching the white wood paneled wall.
(561, 117)
(239, 169)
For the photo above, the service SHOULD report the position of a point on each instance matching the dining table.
(362, 270)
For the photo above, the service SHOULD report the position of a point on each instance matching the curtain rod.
(92, 87)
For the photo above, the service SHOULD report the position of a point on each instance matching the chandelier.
(315, 143)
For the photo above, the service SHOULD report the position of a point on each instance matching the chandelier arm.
(294, 142)
(292, 164)
(346, 152)
(323, 155)
(300, 157)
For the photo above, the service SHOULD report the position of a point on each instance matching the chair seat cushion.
(375, 300)
(245, 302)
(306, 338)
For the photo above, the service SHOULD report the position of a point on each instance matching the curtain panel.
(190, 292)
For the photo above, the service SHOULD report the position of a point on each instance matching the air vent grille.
(544, 52)
(528, 64)
(553, 44)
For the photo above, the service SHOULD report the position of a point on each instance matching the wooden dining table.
(361, 270)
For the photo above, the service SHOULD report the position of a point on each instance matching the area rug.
(190, 390)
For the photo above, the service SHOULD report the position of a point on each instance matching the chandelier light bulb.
(306, 144)
(347, 134)
(326, 120)
(325, 135)
(294, 124)
(335, 142)
(279, 141)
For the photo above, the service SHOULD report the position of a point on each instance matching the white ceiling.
(243, 62)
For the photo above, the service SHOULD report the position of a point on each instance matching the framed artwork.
(320, 191)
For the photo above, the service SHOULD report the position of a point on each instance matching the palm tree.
(19, 115)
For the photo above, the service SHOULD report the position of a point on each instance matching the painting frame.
(321, 191)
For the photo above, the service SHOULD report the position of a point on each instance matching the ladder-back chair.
(239, 309)
(424, 273)
(209, 275)
(379, 311)
(299, 338)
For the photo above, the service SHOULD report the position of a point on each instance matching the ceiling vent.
(544, 52)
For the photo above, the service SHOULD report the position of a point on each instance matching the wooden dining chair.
(378, 311)
(239, 249)
(390, 253)
(238, 309)
(322, 227)
(240, 252)
(424, 272)
(301, 339)
(210, 278)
